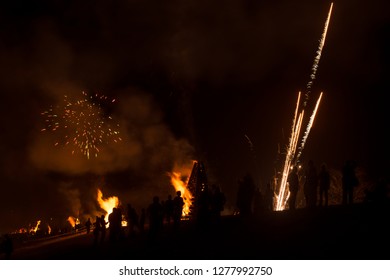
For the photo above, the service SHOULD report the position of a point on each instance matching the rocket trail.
(250, 143)
(318, 56)
(311, 121)
(292, 156)
(283, 194)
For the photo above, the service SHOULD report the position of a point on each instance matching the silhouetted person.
(245, 194)
(156, 215)
(168, 209)
(103, 225)
(111, 225)
(178, 204)
(349, 181)
(132, 220)
(115, 224)
(293, 183)
(203, 208)
(324, 184)
(121, 232)
(88, 225)
(96, 230)
(7, 246)
(217, 202)
(310, 186)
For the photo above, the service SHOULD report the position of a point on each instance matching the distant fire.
(107, 204)
(35, 229)
(30, 229)
(73, 221)
(180, 185)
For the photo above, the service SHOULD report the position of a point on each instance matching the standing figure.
(103, 225)
(349, 181)
(246, 190)
(293, 182)
(96, 230)
(324, 183)
(156, 215)
(132, 220)
(310, 186)
(178, 204)
(115, 224)
(169, 205)
(88, 225)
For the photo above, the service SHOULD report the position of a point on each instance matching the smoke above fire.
(147, 142)
(133, 170)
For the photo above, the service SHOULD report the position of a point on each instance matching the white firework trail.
(283, 195)
(291, 157)
(251, 146)
(309, 126)
(318, 56)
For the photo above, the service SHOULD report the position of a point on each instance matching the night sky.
(190, 80)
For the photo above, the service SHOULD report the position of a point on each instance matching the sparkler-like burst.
(82, 123)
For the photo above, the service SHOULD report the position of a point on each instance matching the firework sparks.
(291, 157)
(318, 56)
(82, 123)
(251, 146)
(282, 197)
(309, 126)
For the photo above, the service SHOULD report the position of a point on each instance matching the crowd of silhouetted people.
(206, 209)
(159, 214)
(312, 183)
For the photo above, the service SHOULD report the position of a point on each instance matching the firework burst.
(82, 123)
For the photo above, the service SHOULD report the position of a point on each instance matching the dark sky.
(190, 79)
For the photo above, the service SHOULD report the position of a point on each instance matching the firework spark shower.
(291, 156)
(83, 123)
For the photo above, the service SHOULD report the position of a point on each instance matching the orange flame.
(73, 221)
(107, 204)
(35, 229)
(179, 185)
